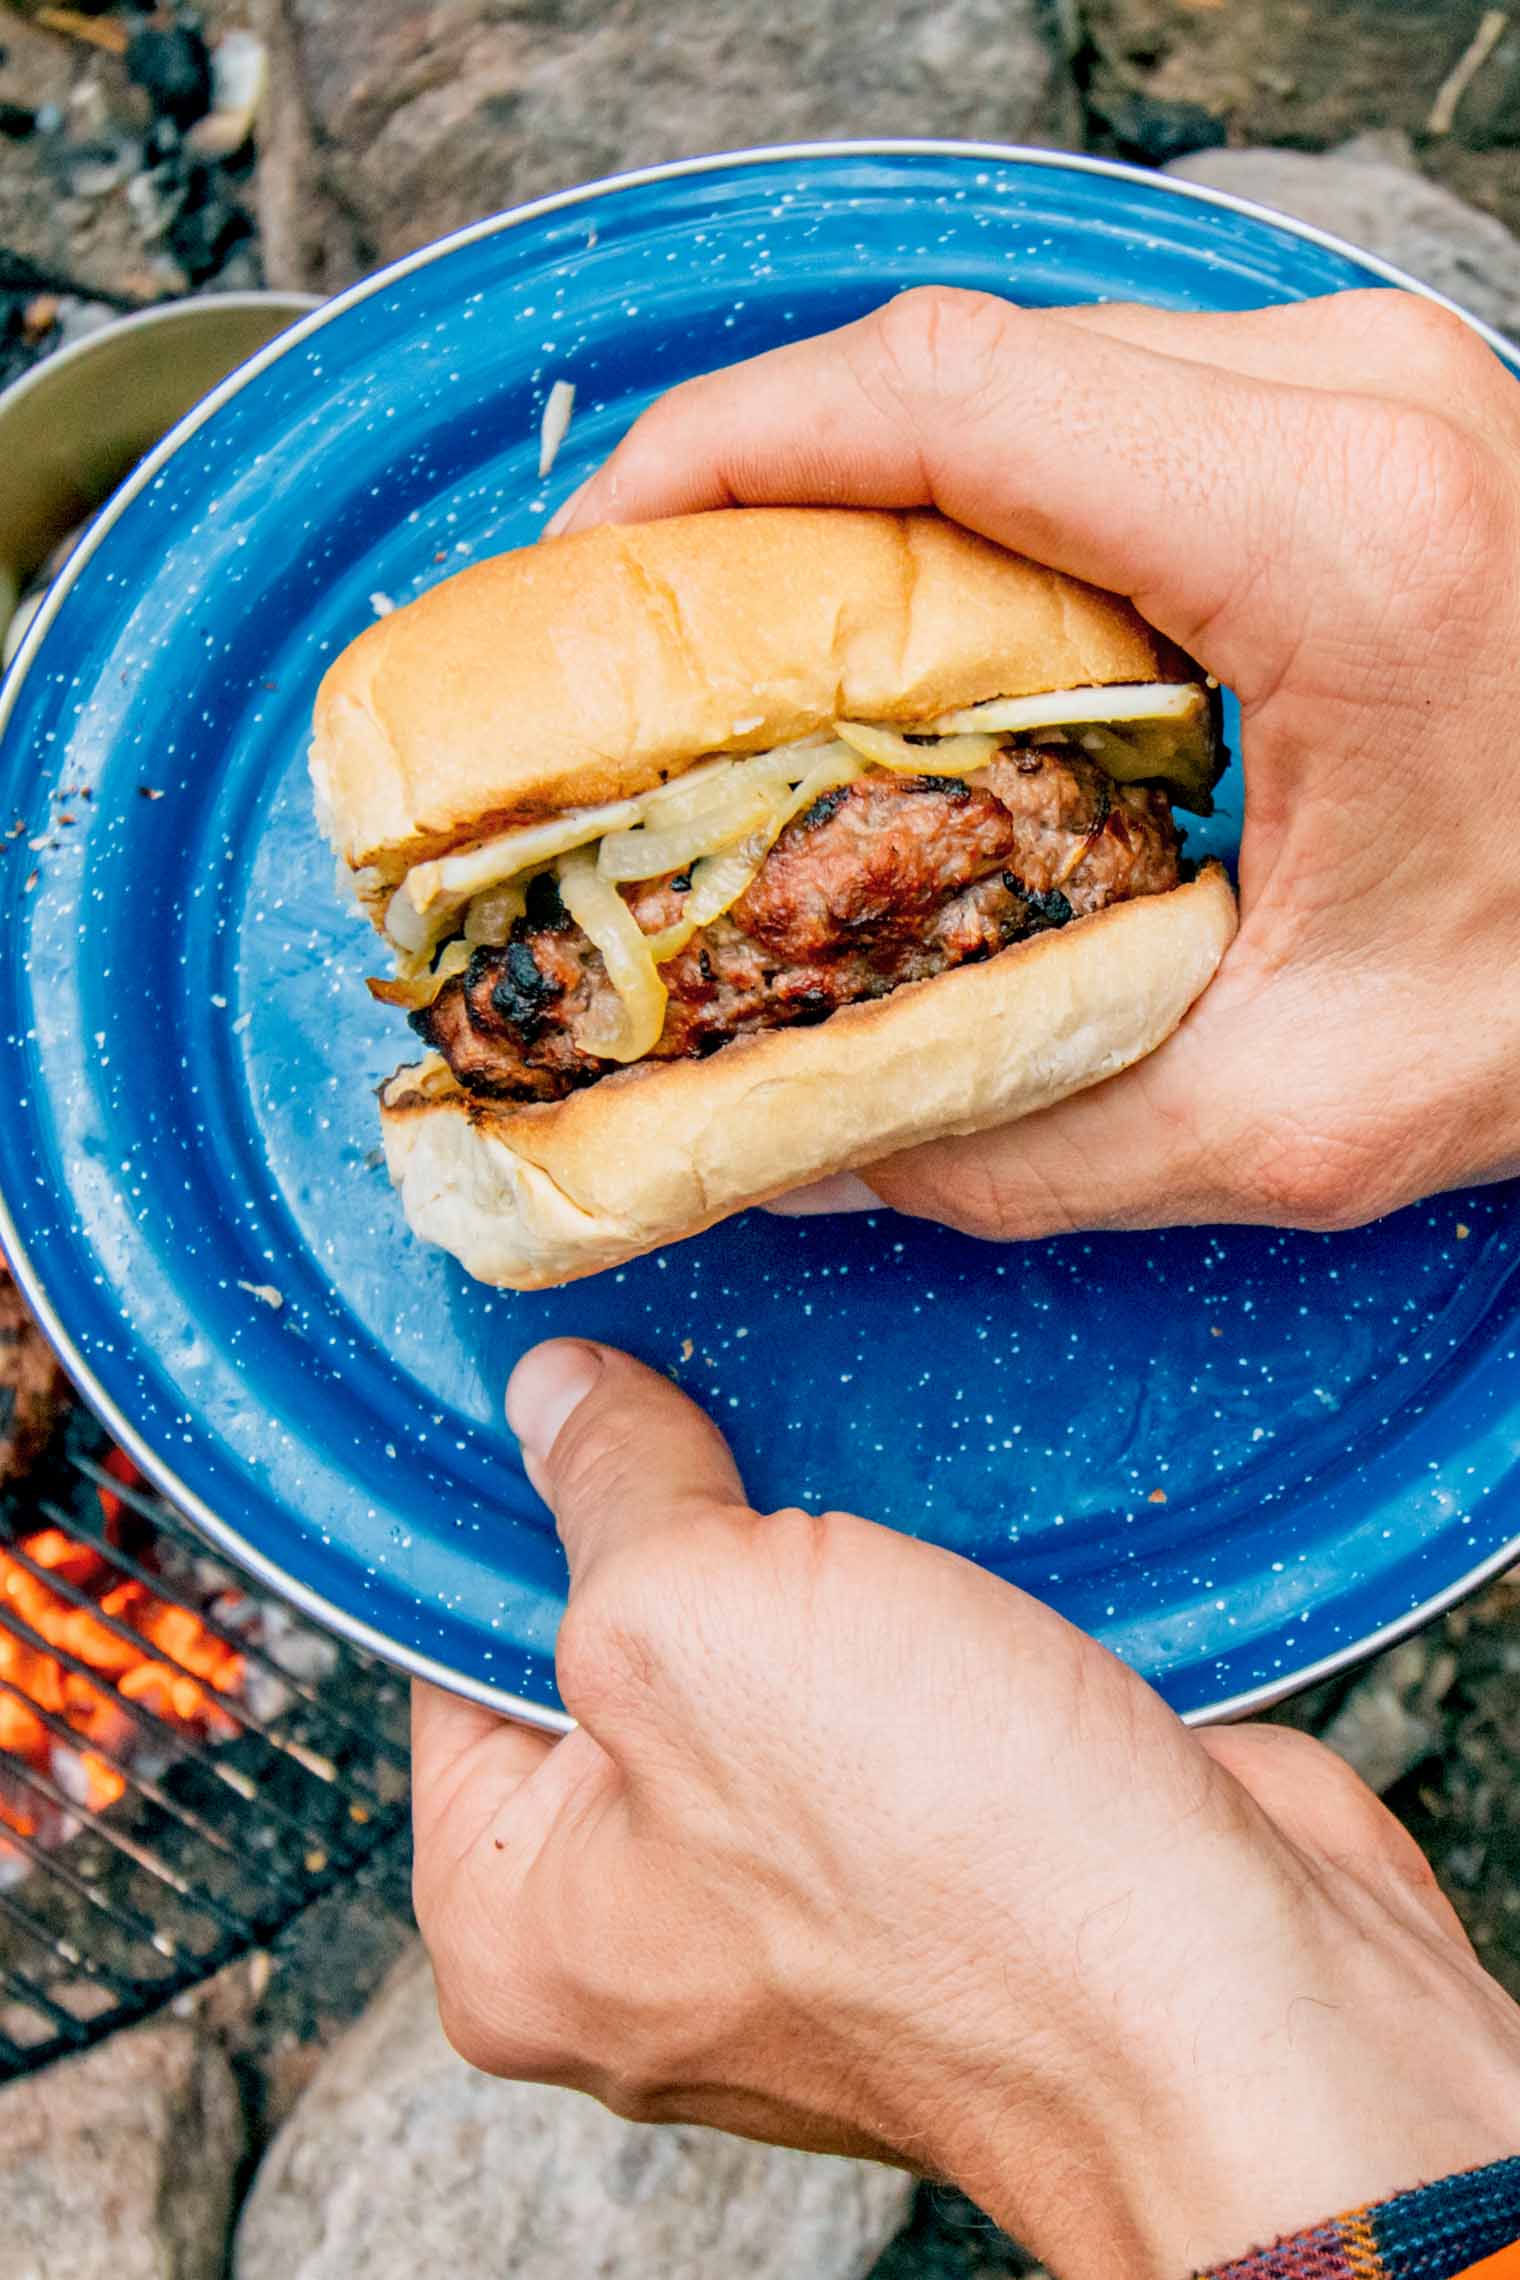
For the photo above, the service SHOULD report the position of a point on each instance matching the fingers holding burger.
(732, 852)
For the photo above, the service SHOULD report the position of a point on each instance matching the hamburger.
(722, 853)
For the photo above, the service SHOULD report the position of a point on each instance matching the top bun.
(585, 668)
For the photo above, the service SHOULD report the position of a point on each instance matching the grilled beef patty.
(890, 879)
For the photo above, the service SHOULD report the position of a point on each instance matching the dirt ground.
(1312, 73)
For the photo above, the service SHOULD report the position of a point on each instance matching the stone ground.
(446, 109)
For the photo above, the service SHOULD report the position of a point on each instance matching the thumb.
(616, 1451)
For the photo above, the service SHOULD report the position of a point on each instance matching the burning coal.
(79, 1642)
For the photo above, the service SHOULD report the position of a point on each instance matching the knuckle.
(807, 1561)
(1433, 478)
(796, 1539)
(466, 2033)
(1446, 469)
(1411, 323)
(581, 1655)
(1318, 1186)
(1428, 511)
(526, 2049)
(633, 2096)
(970, 1194)
(507, 1996)
(979, 1201)
(939, 341)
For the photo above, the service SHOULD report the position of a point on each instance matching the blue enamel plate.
(1239, 1457)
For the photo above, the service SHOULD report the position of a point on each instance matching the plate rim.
(156, 1467)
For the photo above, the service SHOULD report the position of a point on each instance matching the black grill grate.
(214, 1845)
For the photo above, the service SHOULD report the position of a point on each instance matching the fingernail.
(565, 511)
(547, 1385)
(844, 1192)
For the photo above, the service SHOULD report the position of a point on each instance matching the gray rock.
(120, 2165)
(1381, 1737)
(400, 2161)
(1370, 192)
(78, 319)
(1389, 1721)
(446, 112)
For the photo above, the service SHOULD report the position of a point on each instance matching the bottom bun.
(527, 1197)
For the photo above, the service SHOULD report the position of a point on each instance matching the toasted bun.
(530, 1197)
(584, 668)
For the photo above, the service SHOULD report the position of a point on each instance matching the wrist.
(1294, 2077)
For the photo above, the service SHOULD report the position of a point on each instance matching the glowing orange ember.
(179, 1690)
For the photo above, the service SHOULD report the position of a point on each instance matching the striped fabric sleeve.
(1445, 2231)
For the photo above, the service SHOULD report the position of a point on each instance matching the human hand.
(857, 1848)
(1321, 502)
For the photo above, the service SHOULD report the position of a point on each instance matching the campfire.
(82, 1642)
(184, 1762)
(108, 1664)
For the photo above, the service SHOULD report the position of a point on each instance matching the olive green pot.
(76, 424)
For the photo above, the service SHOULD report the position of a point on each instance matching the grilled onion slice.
(947, 756)
(603, 916)
(647, 853)
(454, 878)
